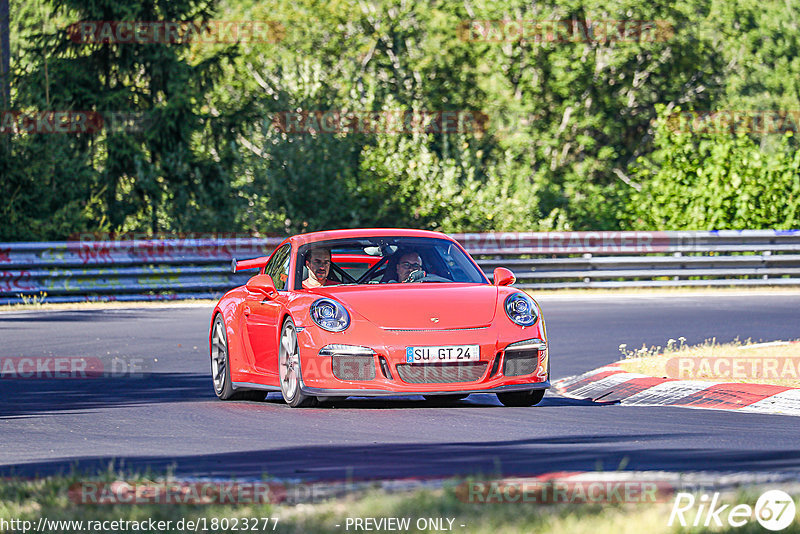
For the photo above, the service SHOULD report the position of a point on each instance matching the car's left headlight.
(521, 309)
(330, 315)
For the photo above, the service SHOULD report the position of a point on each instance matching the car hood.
(424, 306)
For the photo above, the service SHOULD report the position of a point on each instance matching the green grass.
(662, 361)
(48, 497)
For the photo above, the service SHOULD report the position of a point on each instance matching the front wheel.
(289, 367)
(521, 398)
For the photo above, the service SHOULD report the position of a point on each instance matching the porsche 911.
(377, 312)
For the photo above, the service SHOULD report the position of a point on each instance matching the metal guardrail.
(139, 269)
(165, 269)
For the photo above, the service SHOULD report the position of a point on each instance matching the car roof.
(313, 237)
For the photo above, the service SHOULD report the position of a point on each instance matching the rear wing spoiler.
(255, 263)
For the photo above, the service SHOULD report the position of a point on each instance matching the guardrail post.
(678, 255)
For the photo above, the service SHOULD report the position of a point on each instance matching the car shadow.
(31, 397)
(475, 400)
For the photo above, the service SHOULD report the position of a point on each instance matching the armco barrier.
(162, 269)
(140, 269)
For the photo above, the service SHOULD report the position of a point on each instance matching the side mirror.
(262, 283)
(503, 277)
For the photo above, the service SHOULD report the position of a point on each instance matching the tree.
(163, 160)
(710, 180)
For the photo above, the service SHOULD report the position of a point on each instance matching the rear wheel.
(220, 366)
(521, 398)
(289, 367)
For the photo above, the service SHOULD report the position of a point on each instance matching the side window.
(278, 267)
(452, 262)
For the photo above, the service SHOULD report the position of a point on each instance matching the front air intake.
(346, 367)
(441, 373)
(520, 362)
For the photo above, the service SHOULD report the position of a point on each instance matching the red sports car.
(377, 312)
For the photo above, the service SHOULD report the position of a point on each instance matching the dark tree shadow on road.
(401, 460)
(28, 397)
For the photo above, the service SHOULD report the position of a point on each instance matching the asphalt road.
(168, 418)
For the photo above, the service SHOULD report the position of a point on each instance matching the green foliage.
(571, 139)
(714, 180)
(414, 186)
(172, 171)
(47, 188)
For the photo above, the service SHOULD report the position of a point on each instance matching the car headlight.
(521, 309)
(330, 315)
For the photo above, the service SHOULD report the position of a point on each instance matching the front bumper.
(384, 371)
(385, 393)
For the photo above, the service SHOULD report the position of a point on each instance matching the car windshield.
(384, 260)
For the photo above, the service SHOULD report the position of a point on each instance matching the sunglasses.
(409, 265)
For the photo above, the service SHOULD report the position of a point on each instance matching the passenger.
(318, 263)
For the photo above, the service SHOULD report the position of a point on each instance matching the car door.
(262, 315)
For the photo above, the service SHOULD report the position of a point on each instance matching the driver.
(318, 263)
(409, 264)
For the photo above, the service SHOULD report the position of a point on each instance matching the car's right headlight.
(330, 315)
(521, 309)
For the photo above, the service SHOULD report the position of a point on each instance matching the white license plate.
(450, 353)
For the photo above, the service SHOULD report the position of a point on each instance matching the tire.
(521, 398)
(446, 399)
(289, 367)
(220, 367)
